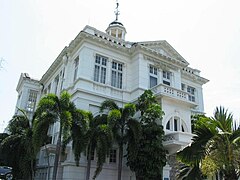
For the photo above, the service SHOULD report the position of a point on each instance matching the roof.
(115, 23)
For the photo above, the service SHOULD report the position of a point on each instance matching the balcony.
(50, 147)
(173, 93)
(175, 141)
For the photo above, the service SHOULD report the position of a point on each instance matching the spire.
(116, 28)
(117, 12)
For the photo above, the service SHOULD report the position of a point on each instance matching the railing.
(173, 92)
(181, 138)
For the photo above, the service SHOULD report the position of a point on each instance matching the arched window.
(176, 124)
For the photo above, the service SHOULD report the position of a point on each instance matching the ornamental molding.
(164, 48)
(160, 64)
(194, 77)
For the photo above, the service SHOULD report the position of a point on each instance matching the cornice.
(26, 79)
(54, 65)
(157, 57)
(194, 77)
(103, 42)
(165, 46)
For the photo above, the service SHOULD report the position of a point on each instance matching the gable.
(164, 48)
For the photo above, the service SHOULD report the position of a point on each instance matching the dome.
(115, 23)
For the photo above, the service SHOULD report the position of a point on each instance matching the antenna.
(117, 12)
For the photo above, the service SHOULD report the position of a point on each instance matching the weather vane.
(117, 11)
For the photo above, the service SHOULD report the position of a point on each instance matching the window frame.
(113, 159)
(191, 93)
(56, 83)
(76, 64)
(153, 74)
(166, 77)
(100, 69)
(117, 69)
(32, 100)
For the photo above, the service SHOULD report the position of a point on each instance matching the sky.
(205, 32)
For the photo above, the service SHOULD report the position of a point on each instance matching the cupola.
(116, 28)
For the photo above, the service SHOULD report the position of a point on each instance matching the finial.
(117, 11)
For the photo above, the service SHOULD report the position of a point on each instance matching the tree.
(77, 133)
(123, 126)
(148, 157)
(215, 148)
(51, 109)
(99, 139)
(17, 147)
(3, 158)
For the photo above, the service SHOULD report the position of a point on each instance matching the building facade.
(97, 66)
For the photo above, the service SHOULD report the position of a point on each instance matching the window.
(153, 76)
(113, 156)
(116, 80)
(183, 87)
(167, 78)
(191, 95)
(176, 124)
(62, 74)
(183, 130)
(49, 88)
(56, 81)
(92, 155)
(76, 62)
(32, 98)
(100, 69)
(168, 125)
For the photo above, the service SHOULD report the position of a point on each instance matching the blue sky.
(206, 33)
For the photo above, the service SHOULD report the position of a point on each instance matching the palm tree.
(77, 133)
(215, 148)
(18, 146)
(51, 109)
(122, 123)
(99, 139)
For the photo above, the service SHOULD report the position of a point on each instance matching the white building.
(100, 65)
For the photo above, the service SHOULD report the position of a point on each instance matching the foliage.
(216, 146)
(148, 157)
(99, 139)
(51, 109)
(3, 158)
(122, 124)
(17, 147)
(77, 133)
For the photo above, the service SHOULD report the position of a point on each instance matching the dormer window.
(167, 78)
(153, 76)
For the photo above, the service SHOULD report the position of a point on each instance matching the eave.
(194, 77)
(53, 66)
(159, 57)
(164, 44)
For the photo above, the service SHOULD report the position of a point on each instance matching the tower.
(116, 28)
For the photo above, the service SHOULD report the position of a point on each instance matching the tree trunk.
(32, 170)
(120, 155)
(88, 162)
(48, 161)
(231, 176)
(138, 177)
(58, 149)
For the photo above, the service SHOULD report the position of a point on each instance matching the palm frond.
(223, 119)
(108, 105)
(104, 144)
